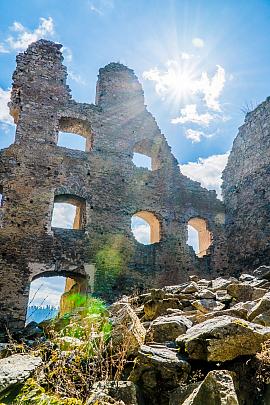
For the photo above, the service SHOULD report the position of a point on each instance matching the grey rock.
(246, 277)
(191, 288)
(205, 294)
(262, 272)
(262, 306)
(221, 283)
(223, 338)
(263, 319)
(216, 389)
(16, 369)
(167, 328)
(125, 391)
(207, 305)
(204, 283)
(157, 365)
(245, 292)
(126, 328)
(223, 296)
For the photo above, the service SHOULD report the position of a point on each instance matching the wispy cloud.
(190, 114)
(20, 36)
(67, 54)
(76, 77)
(100, 7)
(198, 42)
(5, 117)
(207, 171)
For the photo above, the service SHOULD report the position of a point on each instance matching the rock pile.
(190, 344)
(203, 330)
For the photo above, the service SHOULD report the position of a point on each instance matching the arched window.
(146, 154)
(44, 298)
(199, 236)
(68, 212)
(50, 295)
(145, 227)
(75, 134)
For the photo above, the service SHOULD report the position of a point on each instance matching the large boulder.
(263, 319)
(223, 338)
(167, 328)
(16, 369)
(245, 292)
(262, 306)
(128, 333)
(157, 367)
(154, 308)
(262, 272)
(221, 283)
(216, 389)
(208, 305)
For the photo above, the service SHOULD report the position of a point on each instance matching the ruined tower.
(102, 183)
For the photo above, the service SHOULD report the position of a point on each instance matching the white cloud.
(22, 36)
(198, 42)
(179, 79)
(190, 114)
(46, 291)
(212, 88)
(194, 136)
(5, 117)
(63, 215)
(207, 171)
(75, 77)
(142, 233)
(67, 54)
(141, 230)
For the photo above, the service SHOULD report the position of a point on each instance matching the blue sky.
(200, 63)
(182, 52)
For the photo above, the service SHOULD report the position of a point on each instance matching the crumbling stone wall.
(247, 193)
(34, 171)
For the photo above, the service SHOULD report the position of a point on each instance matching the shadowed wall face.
(102, 182)
(246, 193)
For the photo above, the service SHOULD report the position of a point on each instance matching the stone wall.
(103, 179)
(247, 193)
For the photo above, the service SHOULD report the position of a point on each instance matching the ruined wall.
(34, 171)
(247, 193)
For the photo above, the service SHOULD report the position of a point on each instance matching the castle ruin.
(100, 253)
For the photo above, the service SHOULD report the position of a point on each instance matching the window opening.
(199, 236)
(145, 227)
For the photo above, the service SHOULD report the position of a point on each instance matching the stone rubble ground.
(208, 328)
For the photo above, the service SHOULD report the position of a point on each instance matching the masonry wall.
(34, 171)
(247, 193)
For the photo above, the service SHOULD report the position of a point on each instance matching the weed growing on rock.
(77, 353)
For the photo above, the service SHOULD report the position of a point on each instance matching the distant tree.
(40, 313)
